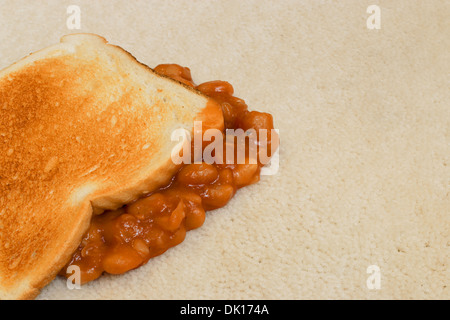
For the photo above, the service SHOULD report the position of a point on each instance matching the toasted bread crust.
(84, 128)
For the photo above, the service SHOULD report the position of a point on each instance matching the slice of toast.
(84, 127)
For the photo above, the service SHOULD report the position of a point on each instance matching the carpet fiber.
(364, 120)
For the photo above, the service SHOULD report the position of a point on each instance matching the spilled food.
(92, 181)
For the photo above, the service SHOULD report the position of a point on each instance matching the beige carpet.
(364, 118)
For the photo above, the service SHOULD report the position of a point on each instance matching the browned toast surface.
(83, 127)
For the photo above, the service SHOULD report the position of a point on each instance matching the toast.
(84, 127)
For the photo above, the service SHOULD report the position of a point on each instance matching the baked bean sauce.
(124, 239)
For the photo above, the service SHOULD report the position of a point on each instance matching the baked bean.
(121, 260)
(91, 249)
(195, 217)
(173, 222)
(141, 247)
(191, 197)
(226, 176)
(123, 239)
(217, 196)
(262, 121)
(176, 72)
(94, 235)
(212, 87)
(257, 120)
(178, 237)
(245, 174)
(87, 275)
(126, 228)
(146, 207)
(197, 174)
(159, 237)
(233, 108)
(153, 235)
(229, 116)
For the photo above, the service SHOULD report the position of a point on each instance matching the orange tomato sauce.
(124, 239)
